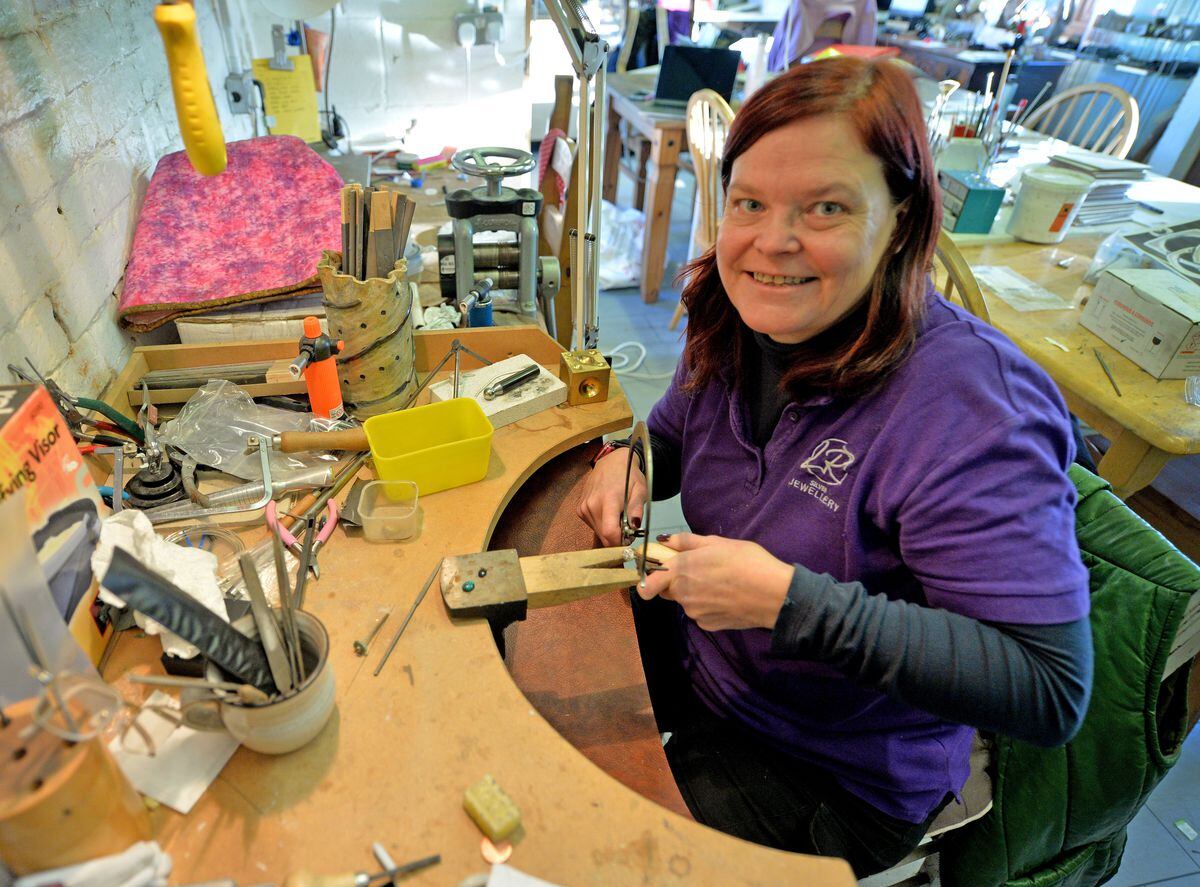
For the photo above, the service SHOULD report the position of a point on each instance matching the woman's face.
(808, 217)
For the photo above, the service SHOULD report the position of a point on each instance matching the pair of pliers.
(323, 533)
(69, 406)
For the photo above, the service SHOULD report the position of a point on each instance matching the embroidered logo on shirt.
(829, 462)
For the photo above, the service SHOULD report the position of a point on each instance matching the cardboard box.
(40, 464)
(1150, 316)
(1173, 248)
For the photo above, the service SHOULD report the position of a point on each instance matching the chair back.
(632, 14)
(708, 120)
(661, 31)
(958, 277)
(1060, 814)
(1097, 116)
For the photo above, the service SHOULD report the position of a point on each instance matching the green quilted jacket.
(1060, 814)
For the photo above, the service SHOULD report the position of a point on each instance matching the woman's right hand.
(604, 491)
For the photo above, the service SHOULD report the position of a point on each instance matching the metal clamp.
(118, 454)
(264, 453)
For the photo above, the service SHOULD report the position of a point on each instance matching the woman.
(883, 557)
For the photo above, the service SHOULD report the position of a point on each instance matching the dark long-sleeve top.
(1032, 682)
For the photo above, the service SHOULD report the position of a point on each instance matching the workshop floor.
(1158, 852)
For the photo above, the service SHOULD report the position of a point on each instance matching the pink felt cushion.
(251, 234)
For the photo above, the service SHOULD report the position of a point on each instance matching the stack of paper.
(1107, 202)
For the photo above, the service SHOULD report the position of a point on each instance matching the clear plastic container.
(388, 509)
(1191, 390)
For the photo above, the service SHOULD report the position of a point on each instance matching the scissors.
(324, 531)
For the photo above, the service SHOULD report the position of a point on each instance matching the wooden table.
(1150, 422)
(392, 763)
(666, 133)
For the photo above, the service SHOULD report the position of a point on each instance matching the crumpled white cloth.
(441, 317)
(192, 570)
(142, 865)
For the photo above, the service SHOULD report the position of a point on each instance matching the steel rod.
(403, 625)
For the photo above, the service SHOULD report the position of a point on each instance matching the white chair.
(976, 801)
(1109, 113)
(708, 120)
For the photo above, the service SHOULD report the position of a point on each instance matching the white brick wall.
(85, 113)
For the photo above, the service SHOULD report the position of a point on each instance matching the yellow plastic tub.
(438, 446)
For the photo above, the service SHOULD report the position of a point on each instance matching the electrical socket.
(489, 25)
(238, 90)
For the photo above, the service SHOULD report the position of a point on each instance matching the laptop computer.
(686, 69)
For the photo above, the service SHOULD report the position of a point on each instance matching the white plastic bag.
(620, 246)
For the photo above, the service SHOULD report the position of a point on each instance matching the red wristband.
(609, 447)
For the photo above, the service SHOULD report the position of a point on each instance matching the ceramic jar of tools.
(285, 723)
(374, 317)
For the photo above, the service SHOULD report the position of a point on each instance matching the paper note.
(184, 763)
(290, 98)
(503, 875)
(1019, 292)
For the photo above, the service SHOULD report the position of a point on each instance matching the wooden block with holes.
(61, 802)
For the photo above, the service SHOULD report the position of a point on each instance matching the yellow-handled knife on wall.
(194, 105)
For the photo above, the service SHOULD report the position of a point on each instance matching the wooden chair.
(959, 277)
(635, 148)
(1109, 128)
(632, 13)
(708, 120)
(552, 221)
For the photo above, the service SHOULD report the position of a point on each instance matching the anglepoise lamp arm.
(589, 57)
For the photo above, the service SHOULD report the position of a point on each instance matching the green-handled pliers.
(70, 406)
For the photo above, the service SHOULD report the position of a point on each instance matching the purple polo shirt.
(946, 488)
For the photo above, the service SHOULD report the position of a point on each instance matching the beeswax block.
(493, 811)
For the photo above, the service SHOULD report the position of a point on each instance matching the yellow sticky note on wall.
(290, 98)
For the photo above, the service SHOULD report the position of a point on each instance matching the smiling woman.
(808, 219)
(829, 175)
(884, 557)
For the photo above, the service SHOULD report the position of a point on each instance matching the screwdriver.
(305, 878)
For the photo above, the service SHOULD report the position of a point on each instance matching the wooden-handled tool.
(292, 516)
(501, 584)
(353, 439)
(245, 692)
(305, 878)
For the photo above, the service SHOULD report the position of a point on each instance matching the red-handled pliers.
(323, 533)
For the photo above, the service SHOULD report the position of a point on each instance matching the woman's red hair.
(879, 100)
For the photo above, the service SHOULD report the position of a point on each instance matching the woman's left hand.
(721, 583)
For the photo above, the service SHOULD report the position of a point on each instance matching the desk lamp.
(589, 57)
